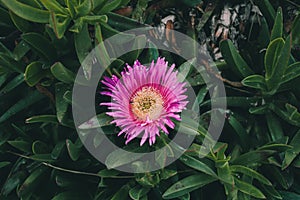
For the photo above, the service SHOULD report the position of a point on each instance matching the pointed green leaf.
(248, 189)
(197, 164)
(272, 54)
(24, 103)
(27, 12)
(187, 185)
(34, 73)
(255, 81)
(279, 68)
(278, 25)
(250, 172)
(40, 45)
(63, 74)
(234, 59)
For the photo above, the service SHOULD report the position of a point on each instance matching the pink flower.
(145, 99)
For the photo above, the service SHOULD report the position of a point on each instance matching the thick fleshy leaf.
(272, 54)
(249, 189)
(34, 73)
(291, 154)
(197, 164)
(250, 172)
(234, 59)
(278, 25)
(40, 45)
(63, 74)
(27, 12)
(255, 81)
(187, 185)
(27, 101)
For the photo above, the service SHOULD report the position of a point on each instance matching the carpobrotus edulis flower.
(145, 99)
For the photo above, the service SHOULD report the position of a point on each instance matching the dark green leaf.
(197, 164)
(255, 81)
(250, 172)
(233, 59)
(34, 73)
(27, 101)
(187, 185)
(40, 45)
(278, 25)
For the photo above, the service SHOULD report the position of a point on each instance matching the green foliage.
(42, 45)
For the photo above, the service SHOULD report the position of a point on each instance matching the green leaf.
(295, 32)
(61, 104)
(255, 81)
(289, 195)
(34, 73)
(12, 182)
(54, 6)
(10, 64)
(291, 115)
(21, 145)
(100, 120)
(292, 72)
(279, 68)
(197, 164)
(233, 59)
(185, 69)
(69, 195)
(4, 164)
(74, 150)
(84, 8)
(138, 192)
(83, 43)
(269, 191)
(27, 12)
(63, 74)
(122, 193)
(15, 82)
(57, 150)
(32, 181)
(40, 45)
(42, 119)
(21, 24)
(120, 157)
(20, 50)
(59, 24)
(267, 10)
(187, 185)
(110, 6)
(248, 189)
(39, 147)
(278, 25)
(272, 54)
(250, 172)
(239, 129)
(291, 154)
(253, 158)
(22, 104)
(274, 126)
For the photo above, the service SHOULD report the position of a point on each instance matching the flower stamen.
(147, 103)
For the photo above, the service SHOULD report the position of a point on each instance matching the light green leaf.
(27, 12)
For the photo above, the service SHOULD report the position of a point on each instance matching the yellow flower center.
(147, 103)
